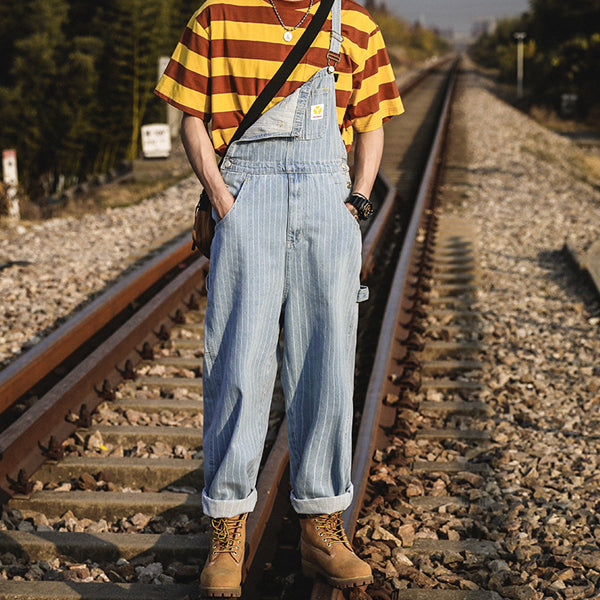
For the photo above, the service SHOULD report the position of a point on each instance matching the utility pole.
(520, 37)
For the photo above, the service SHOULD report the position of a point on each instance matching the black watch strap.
(364, 207)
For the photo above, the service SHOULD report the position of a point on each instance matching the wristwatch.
(364, 207)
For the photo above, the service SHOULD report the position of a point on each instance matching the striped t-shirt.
(230, 49)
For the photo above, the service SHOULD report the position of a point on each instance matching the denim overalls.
(287, 255)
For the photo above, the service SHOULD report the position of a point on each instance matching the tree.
(28, 104)
(15, 25)
(562, 50)
(76, 81)
(556, 21)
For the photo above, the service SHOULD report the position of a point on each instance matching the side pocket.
(235, 182)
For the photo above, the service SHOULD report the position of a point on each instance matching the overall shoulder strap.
(286, 68)
(335, 43)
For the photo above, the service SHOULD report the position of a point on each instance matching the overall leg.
(241, 333)
(320, 341)
(323, 278)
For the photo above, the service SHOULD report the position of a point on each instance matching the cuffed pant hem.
(322, 506)
(228, 508)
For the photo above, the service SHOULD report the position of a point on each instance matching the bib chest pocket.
(315, 116)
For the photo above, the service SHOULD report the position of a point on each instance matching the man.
(286, 255)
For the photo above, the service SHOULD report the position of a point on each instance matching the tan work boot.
(222, 573)
(326, 551)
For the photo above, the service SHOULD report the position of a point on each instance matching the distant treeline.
(407, 43)
(76, 80)
(562, 51)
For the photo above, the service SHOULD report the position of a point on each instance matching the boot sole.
(220, 592)
(313, 571)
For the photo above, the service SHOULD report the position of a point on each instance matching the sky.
(457, 14)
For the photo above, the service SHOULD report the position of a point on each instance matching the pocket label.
(316, 112)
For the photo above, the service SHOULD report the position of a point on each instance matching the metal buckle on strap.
(332, 60)
(337, 36)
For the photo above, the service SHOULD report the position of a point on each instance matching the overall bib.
(287, 256)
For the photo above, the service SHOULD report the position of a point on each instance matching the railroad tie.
(46, 545)
(73, 590)
(127, 471)
(449, 402)
(109, 505)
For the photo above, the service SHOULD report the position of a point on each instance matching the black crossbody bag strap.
(268, 93)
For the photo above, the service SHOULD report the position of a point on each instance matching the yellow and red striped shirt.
(230, 49)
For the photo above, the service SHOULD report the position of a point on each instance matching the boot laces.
(331, 529)
(226, 534)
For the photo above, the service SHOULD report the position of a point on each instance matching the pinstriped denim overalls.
(288, 253)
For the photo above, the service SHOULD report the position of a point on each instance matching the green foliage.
(562, 50)
(557, 21)
(76, 81)
(418, 43)
(499, 50)
(28, 105)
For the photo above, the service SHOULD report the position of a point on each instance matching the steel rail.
(389, 345)
(30, 368)
(22, 442)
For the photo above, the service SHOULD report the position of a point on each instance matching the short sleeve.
(375, 96)
(186, 81)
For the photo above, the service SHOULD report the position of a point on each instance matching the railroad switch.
(427, 254)
(410, 381)
(128, 372)
(193, 303)
(22, 485)
(403, 428)
(179, 318)
(415, 342)
(424, 269)
(411, 363)
(54, 451)
(421, 289)
(419, 313)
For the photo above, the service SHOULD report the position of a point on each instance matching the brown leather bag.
(203, 231)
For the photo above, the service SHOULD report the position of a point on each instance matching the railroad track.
(126, 457)
(421, 453)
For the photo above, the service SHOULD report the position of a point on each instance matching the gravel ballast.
(536, 499)
(53, 268)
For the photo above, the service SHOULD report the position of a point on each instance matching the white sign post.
(11, 180)
(520, 37)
